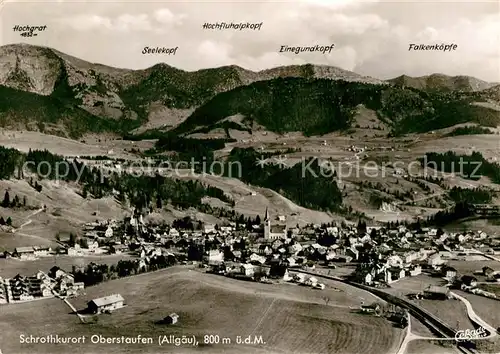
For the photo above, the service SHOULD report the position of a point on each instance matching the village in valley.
(374, 258)
(179, 183)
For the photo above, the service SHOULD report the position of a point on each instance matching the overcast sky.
(370, 37)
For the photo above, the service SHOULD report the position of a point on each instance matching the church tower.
(267, 225)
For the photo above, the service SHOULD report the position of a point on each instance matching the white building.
(42, 251)
(273, 232)
(214, 257)
(106, 304)
(248, 269)
(208, 228)
(109, 232)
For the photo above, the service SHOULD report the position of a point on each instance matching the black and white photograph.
(202, 176)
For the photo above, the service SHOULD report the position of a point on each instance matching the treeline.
(178, 89)
(4, 222)
(139, 191)
(189, 148)
(472, 166)
(225, 125)
(441, 218)
(306, 183)
(379, 187)
(315, 107)
(10, 161)
(100, 158)
(97, 273)
(9, 202)
(473, 196)
(15, 202)
(439, 181)
(377, 200)
(472, 130)
(411, 110)
(187, 223)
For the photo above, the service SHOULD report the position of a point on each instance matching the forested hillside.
(318, 106)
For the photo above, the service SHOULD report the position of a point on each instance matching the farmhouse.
(171, 319)
(109, 232)
(469, 281)
(487, 271)
(105, 304)
(3, 294)
(118, 249)
(415, 270)
(24, 253)
(312, 281)
(247, 269)
(435, 260)
(55, 272)
(41, 251)
(392, 274)
(436, 292)
(209, 228)
(450, 272)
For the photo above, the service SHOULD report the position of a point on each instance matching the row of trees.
(15, 202)
(471, 195)
(472, 166)
(461, 210)
(470, 130)
(307, 184)
(7, 222)
(96, 273)
(139, 191)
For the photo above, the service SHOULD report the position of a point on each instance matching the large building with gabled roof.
(106, 304)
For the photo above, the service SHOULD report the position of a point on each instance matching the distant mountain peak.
(438, 81)
(44, 65)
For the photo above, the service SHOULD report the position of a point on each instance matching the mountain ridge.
(281, 104)
(126, 77)
(247, 76)
(61, 88)
(437, 81)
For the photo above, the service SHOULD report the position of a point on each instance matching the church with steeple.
(273, 232)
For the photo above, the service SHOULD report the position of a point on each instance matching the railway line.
(442, 330)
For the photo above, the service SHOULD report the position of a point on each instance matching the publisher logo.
(470, 334)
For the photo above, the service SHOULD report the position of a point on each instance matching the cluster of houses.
(38, 286)
(380, 255)
(303, 279)
(466, 283)
(469, 283)
(30, 252)
(399, 252)
(258, 272)
(406, 253)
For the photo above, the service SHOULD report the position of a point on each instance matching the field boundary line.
(263, 316)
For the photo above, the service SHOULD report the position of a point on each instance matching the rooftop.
(437, 289)
(107, 300)
(24, 250)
